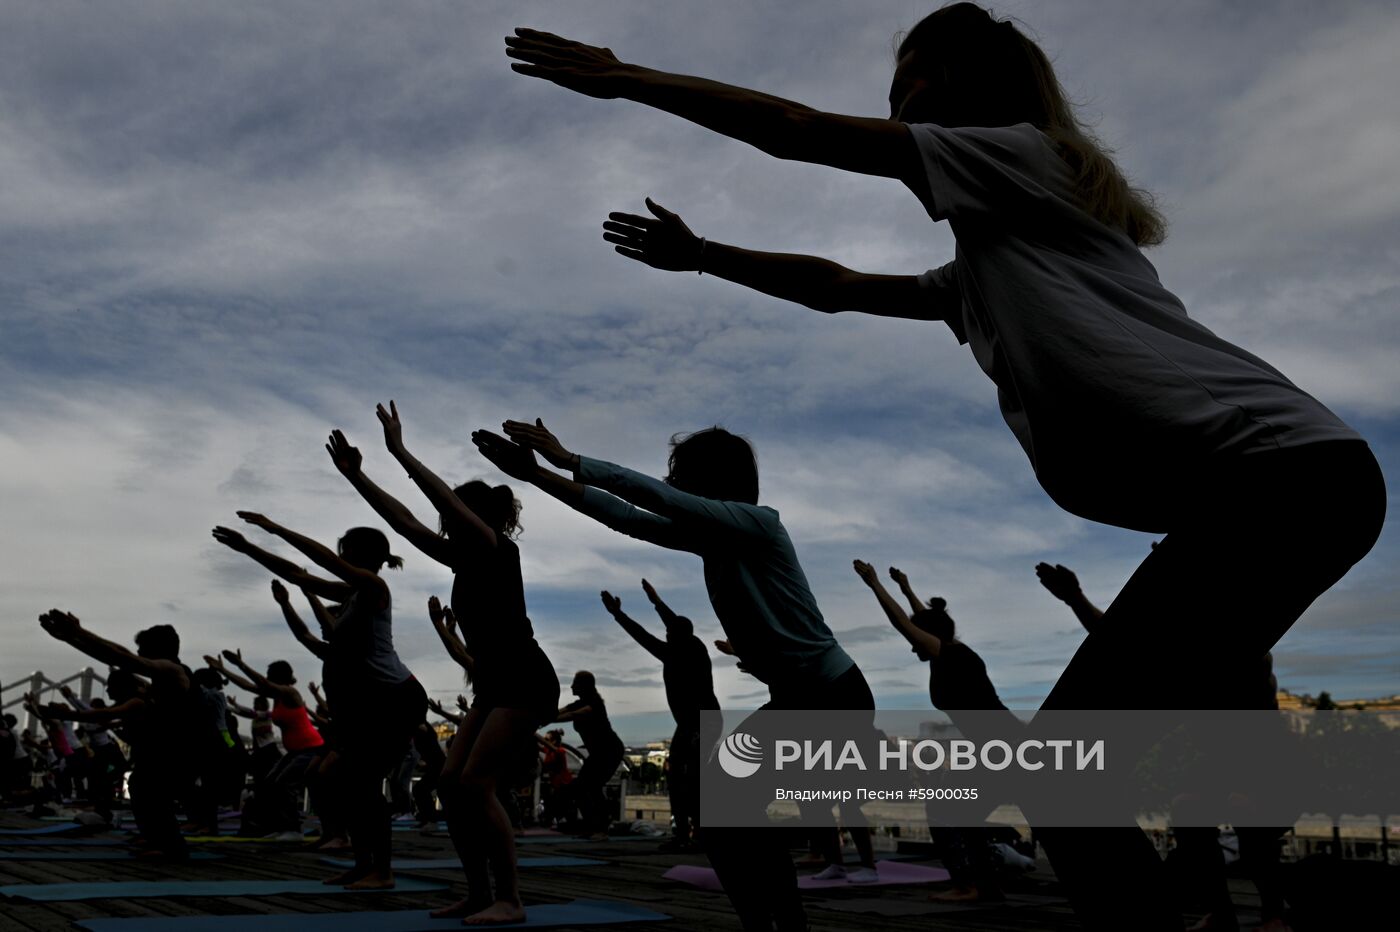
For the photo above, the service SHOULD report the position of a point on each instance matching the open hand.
(898, 576)
(538, 438)
(463, 704)
(514, 460)
(231, 539)
(612, 603)
(279, 593)
(662, 241)
(866, 572)
(257, 520)
(1059, 579)
(347, 459)
(214, 662)
(586, 69)
(724, 647)
(435, 610)
(235, 655)
(393, 427)
(60, 624)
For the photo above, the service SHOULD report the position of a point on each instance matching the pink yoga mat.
(891, 873)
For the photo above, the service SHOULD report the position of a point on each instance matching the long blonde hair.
(985, 72)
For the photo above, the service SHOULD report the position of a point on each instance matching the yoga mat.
(557, 839)
(60, 842)
(43, 829)
(891, 873)
(90, 856)
(577, 913)
(893, 907)
(137, 889)
(442, 864)
(241, 838)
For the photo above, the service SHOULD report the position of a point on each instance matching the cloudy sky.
(225, 229)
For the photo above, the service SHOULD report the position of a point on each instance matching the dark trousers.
(683, 780)
(375, 729)
(156, 785)
(754, 864)
(1270, 535)
(588, 786)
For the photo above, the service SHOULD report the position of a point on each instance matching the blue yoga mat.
(137, 889)
(439, 864)
(577, 913)
(43, 829)
(17, 842)
(90, 856)
(573, 839)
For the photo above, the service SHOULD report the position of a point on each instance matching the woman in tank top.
(378, 702)
(515, 687)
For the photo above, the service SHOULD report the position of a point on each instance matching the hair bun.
(938, 604)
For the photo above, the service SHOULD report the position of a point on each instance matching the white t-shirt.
(1125, 405)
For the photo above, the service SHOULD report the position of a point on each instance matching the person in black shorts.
(589, 715)
(514, 685)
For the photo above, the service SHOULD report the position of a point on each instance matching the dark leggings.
(589, 783)
(376, 728)
(1272, 533)
(754, 864)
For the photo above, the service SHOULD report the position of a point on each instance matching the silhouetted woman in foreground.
(708, 505)
(1131, 413)
(514, 686)
(378, 702)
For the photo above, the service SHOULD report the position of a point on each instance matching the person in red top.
(554, 770)
(303, 743)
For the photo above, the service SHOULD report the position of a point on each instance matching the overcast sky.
(228, 228)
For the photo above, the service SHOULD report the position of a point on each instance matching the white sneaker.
(863, 875)
(832, 872)
(1012, 858)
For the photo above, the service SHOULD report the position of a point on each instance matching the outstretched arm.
(686, 511)
(444, 623)
(296, 575)
(65, 627)
(98, 716)
(916, 604)
(304, 637)
(439, 493)
(348, 461)
(437, 708)
(518, 461)
(779, 127)
(289, 696)
(217, 663)
(663, 241)
(918, 638)
(653, 644)
(1064, 585)
(361, 580)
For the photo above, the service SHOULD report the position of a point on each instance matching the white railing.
(41, 686)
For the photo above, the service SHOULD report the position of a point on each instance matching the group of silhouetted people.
(1130, 412)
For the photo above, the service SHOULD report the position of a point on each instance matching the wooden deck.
(632, 873)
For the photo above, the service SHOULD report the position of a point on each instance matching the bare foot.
(464, 907)
(376, 879)
(353, 875)
(499, 912)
